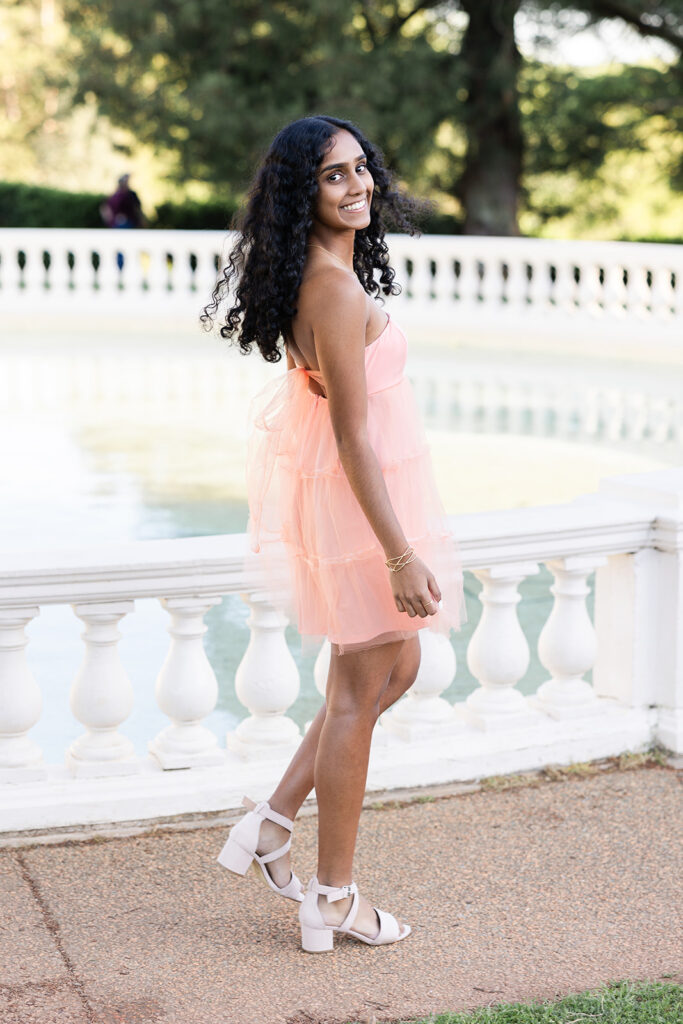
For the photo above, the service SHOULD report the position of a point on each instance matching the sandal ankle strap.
(264, 809)
(334, 892)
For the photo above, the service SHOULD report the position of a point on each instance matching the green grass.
(622, 1002)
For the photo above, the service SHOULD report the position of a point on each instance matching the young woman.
(339, 479)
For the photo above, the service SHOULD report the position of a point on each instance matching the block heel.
(316, 940)
(318, 937)
(239, 851)
(234, 858)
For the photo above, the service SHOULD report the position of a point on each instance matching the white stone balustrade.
(536, 287)
(629, 535)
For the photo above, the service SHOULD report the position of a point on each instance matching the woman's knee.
(352, 703)
(405, 670)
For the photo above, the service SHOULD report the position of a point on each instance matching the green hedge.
(32, 206)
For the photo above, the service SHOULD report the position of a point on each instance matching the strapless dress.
(311, 545)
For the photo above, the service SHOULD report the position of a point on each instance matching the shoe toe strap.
(389, 929)
(292, 889)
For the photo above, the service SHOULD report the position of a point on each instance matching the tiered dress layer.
(310, 541)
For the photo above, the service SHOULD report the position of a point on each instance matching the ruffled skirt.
(311, 546)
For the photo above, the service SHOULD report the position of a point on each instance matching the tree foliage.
(439, 84)
(214, 81)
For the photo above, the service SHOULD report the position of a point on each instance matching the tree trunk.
(490, 184)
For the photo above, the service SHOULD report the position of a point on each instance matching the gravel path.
(526, 893)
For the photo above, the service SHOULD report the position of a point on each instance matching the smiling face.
(345, 185)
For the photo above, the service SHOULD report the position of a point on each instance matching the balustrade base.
(30, 773)
(503, 721)
(171, 760)
(61, 801)
(560, 712)
(415, 720)
(80, 769)
(249, 751)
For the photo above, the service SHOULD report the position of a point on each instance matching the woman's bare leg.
(298, 779)
(353, 700)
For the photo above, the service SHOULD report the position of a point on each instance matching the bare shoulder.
(336, 305)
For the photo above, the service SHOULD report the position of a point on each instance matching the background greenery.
(188, 93)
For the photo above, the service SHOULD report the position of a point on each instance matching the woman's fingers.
(430, 605)
(434, 588)
(419, 605)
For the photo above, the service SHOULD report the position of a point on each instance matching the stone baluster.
(491, 284)
(663, 294)
(421, 281)
(110, 278)
(20, 700)
(468, 281)
(423, 712)
(183, 275)
(34, 270)
(444, 280)
(83, 273)
(638, 291)
(186, 688)
(516, 284)
(498, 652)
(564, 291)
(101, 695)
(60, 273)
(615, 292)
(567, 644)
(267, 683)
(151, 278)
(540, 286)
(590, 289)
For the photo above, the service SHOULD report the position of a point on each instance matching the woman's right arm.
(339, 332)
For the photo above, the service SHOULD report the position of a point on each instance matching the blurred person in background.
(123, 209)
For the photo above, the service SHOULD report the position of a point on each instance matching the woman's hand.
(415, 589)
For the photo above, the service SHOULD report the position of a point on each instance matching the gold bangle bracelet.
(394, 565)
(397, 558)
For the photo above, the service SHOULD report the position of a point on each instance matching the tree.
(214, 81)
(439, 83)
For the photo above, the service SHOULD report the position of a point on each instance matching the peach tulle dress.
(311, 542)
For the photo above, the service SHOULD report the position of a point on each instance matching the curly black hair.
(265, 267)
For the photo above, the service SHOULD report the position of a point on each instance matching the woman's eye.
(337, 174)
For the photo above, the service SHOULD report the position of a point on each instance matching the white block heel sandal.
(239, 852)
(318, 937)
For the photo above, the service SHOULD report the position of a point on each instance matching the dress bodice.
(385, 359)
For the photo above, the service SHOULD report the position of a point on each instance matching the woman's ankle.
(282, 807)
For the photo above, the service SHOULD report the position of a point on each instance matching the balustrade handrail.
(215, 564)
